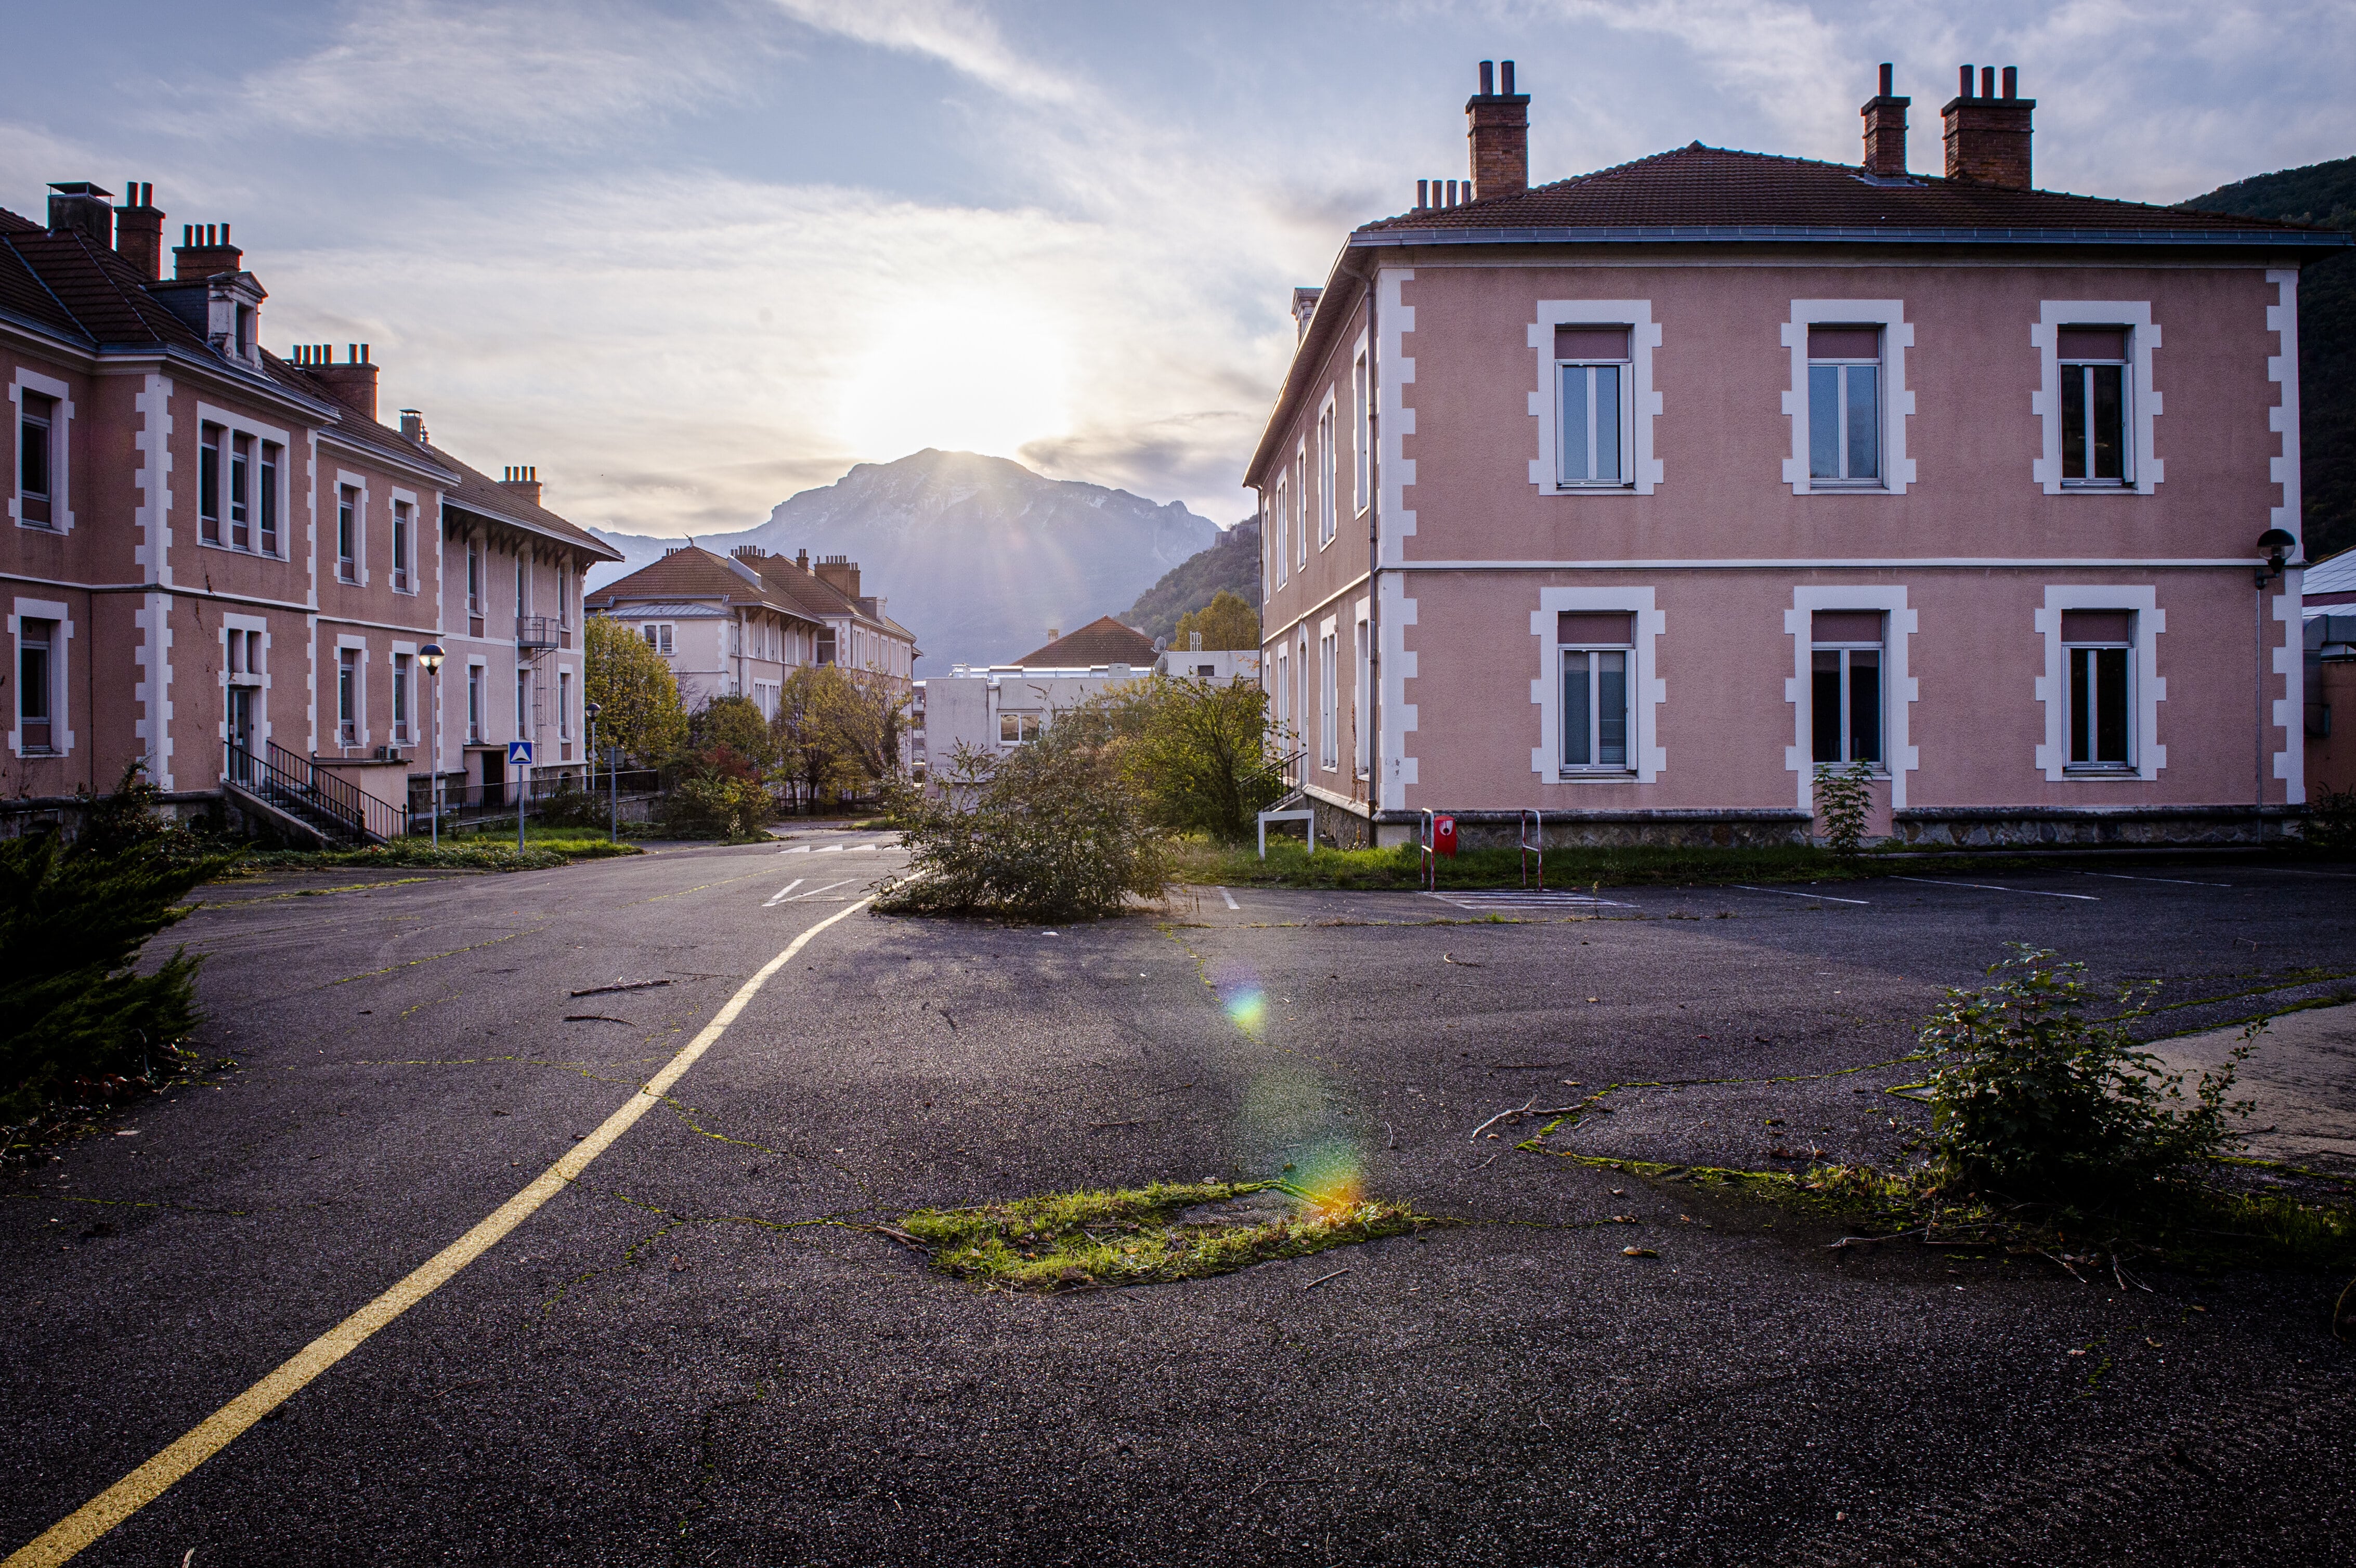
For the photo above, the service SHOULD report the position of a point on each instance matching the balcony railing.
(537, 632)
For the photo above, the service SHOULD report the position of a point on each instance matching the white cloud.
(958, 36)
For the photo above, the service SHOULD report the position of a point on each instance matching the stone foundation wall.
(1996, 827)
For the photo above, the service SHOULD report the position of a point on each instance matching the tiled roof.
(1715, 192)
(686, 573)
(478, 493)
(59, 279)
(1102, 641)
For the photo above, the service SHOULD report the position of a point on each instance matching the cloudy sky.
(691, 256)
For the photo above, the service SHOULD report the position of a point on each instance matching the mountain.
(2324, 194)
(1232, 563)
(978, 555)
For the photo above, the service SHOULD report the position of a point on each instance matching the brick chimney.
(524, 482)
(351, 383)
(1885, 131)
(1987, 136)
(841, 573)
(139, 231)
(412, 427)
(204, 252)
(81, 208)
(1500, 135)
(801, 558)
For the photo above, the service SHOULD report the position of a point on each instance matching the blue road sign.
(519, 753)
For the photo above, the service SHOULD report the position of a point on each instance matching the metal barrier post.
(1430, 869)
(1534, 841)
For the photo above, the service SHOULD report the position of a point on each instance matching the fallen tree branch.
(1868, 1241)
(1532, 1108)
(619, 986)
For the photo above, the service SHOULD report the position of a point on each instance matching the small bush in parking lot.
(2035, 1099)
(1843, 796)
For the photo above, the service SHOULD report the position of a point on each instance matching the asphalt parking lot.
(689, 1354)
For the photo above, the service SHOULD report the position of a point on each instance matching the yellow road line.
(86, 1524)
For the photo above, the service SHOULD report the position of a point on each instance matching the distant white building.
(995, 708)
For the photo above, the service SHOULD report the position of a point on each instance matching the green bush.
(1196, 753)
(1843, 796)
(718, 795)
(2034, 1099)
(1045, 832)
(2331, 819)
(76, 1018)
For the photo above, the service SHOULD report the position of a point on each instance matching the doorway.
(240, 734)
(495, 778)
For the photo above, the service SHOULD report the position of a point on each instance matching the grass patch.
(474, 853)
(1291, 865)
(1077, 1241)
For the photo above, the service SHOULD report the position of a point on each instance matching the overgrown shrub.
(1843, 796)
(2331, 819)
(1196, 753)
(573, 807)
(1045, 832)
(2034, 1099)
(718, 794)
(74, 1013)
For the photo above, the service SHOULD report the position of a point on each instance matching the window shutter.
(1585, 342)
(2097, 625)
(1844, 342)
(1596, 628)
(2081, 343)
(1847, 627)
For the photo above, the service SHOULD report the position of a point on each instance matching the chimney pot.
(1488, 79)
(353, 384)
(1988, 137)
(1886, 79)
(139, 231)
(205, 252)
(1422, 193)
(1499, 132)
(1505, 67)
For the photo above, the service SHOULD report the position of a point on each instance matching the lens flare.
(1241, 997)
(1329, 1176)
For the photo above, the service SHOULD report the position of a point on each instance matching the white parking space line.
(1230, 897)
(1524, 897)
(779, 896)
(827, 849)
(795, 849)
(2295, 872)
(812, 894)
(2180, 881)
(1992, 888)
(1788, 893)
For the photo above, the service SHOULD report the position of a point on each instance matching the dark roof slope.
(59, 279)
(478, 493)
(690, 571)
(1102, 641)
(1716, 190)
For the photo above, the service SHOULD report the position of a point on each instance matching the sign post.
(519, 756)
(614, 776)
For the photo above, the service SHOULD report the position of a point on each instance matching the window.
(473, 578)
(208, 481)
(241, 483)
(348, 696)
(564, 705)
(1362, 392)
(35, 457)
(565, 594)
(401, 699)
(1845, 405)
(1328, 479)
(1592, 382)
(2097, 645)
(475, 702)
(1845, 686)
(37, 685)
(347, 532)
(1364, 735)
(2094, 406)
(658, 636)
(400, 547)
(1283, 545)
(1595, 647)
(1283, 697)
(1014, 728)
(522, 582)
(268, 498)
(826, 645)
(1300, 505)
(523, 727)
(1329, 730)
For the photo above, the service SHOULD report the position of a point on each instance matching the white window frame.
(61, 738)
(1900, 690)
(1843, 370)
(1329, 681)
(658, 636)
(1283, 538)
(477, 574)
(402, 719)
(2147, 687)
(478, 702)
(1300, 503)
(1025, 727)
(1362, 412)
(361, 735)
(1897, 400)
(358, 482)
(1361, 693)
(2145, 469)
(60, 449)
(523, 705)
(405, 575)
(1640, 405)
(564, 703)
(243, 628)
(1646, 690)
(1284, 694)
(1328, 473)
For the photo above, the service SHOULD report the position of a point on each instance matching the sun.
(975, 375)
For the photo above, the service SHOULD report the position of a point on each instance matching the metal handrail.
(362, 812)
(269, 777)
(537, 631)
(1270, 784)
(1533, 843)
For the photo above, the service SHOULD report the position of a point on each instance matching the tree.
(864, 715)
(1226, 621)
(808, 749)
(1196, 753)
(634, 691)
(736, 722)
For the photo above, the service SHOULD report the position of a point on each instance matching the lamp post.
(591, 710)
(429, 659)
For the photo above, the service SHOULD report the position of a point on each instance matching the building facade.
(739, 625)
(1640, 497)
(216, 561)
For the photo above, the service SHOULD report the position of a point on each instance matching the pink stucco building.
(1638, 497)
(218, 561)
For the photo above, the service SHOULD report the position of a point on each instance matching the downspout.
(1374, 697)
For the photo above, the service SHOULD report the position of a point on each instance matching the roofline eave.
(594, 546)
(1836, 234)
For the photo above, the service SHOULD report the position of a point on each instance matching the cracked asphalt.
(695, 1356)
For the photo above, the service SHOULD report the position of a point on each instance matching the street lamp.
(429, 659)
(592, 709)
